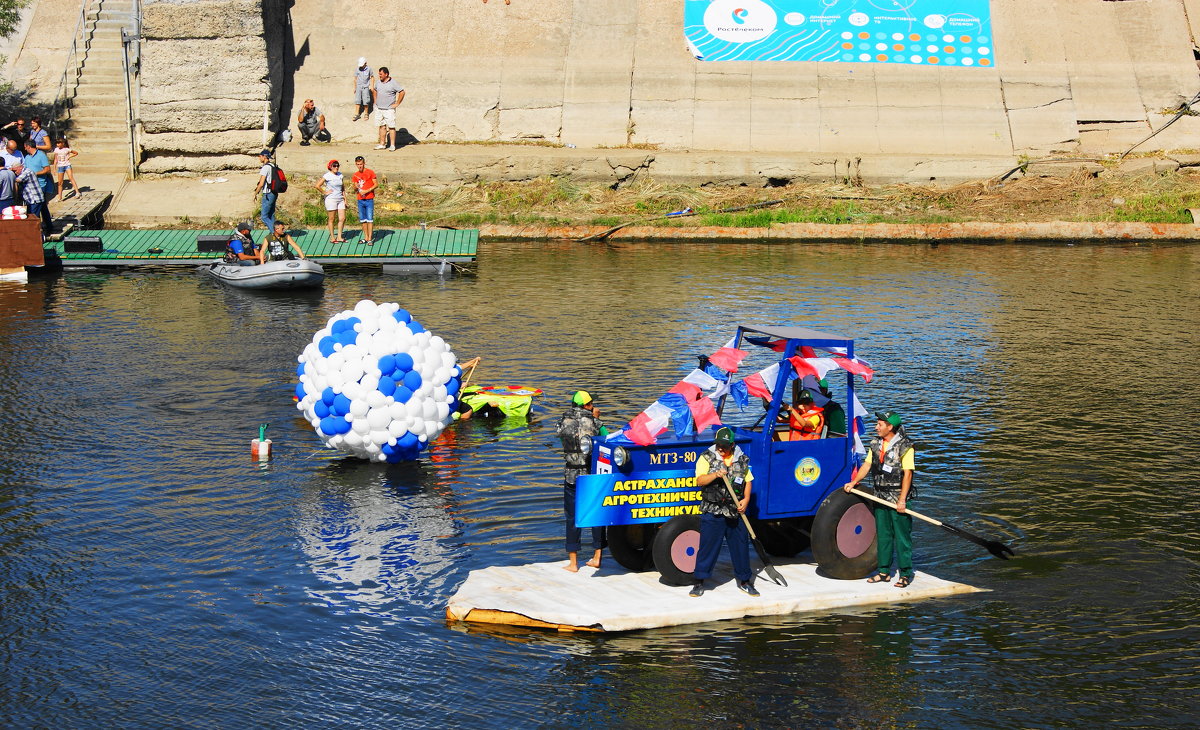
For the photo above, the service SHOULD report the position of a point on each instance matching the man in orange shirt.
(364, 183)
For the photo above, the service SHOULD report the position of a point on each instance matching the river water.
(151, 575)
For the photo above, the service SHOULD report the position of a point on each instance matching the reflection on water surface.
(151, 574)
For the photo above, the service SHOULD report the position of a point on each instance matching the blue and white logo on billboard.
(808, 471)
(915, 32)
(739, 21)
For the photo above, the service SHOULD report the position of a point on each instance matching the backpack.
(278, 182)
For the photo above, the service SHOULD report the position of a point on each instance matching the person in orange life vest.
(805, 420)
(891, 462)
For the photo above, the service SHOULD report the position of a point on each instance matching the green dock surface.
(409, 247)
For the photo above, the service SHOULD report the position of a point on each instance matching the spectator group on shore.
(28, 178)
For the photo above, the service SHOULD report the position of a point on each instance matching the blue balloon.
(387, 386)
(333, 425)
(402, 394)
(457, 371)
(321, 409)
(404, 362)
(300, 369)
(344, 324)
(452, 386)
(389, 449)
(402, 316)
(387, 364)
(415, 327)
(393, 458)
(412, 380)
(327, 396)
(407, 441)
(341, 405)
(300, 391)
(326, 345)
(347, 337)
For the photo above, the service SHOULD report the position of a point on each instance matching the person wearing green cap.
(720, 515)
(891, 462)
(577, 427)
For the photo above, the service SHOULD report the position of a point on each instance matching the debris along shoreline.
(1079, 205)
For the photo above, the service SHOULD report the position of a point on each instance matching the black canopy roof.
(808, 336)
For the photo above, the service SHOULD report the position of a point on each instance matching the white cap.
(362, 62)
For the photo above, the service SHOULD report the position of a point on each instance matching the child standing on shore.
(62, 165)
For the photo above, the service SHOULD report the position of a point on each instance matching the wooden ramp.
(544, 595)
(413, 248)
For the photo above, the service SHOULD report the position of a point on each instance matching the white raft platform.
(543, 595)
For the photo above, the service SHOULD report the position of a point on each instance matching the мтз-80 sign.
(915, 32)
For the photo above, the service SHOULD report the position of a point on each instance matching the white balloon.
(440, 395)
(365, 307)
(376, 399)
(379, 438)
(358, 407)
(399, 411)
(352, 439)
(379, 418)
(361, 426)
(429, 410)
(443, 410)
(397, 428)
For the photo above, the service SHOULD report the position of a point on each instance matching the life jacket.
(577, 428)
(801, 426)
(277, 249)
(714, 497)
(888, 483)
(231, 254)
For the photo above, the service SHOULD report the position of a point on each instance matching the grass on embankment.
(561, 201)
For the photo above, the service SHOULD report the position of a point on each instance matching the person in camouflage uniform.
(891, 463)
(720, 516)
(577, 427)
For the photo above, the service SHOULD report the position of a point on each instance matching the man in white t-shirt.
(387, 95)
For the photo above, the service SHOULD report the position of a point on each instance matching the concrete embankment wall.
(1069, 75)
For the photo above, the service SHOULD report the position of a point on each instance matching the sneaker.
(304, 143)
(381, 147)
(392, 148)
(748, 588)
(697, 589)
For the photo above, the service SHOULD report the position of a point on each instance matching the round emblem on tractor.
(808, 470)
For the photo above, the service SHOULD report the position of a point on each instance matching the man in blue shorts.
(365, 184)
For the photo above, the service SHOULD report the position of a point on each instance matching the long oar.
(775, 575)
(994, 547)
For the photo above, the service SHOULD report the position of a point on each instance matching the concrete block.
(229, 142)
(1103, 84)
(198, 163)
(904, 129)
(849, 129)
(594, 124)
(784, 124)
(665, 123)
(202, 19)
(1133, 166)
(1043, 129)
(1160, 48)
(202, 115)
(846, 85)
(524, 123)
(722, 125)
(974, 131)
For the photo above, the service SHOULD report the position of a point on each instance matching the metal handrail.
(132, 88)
(72, 56)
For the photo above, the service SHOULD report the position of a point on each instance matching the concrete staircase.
(98, 112)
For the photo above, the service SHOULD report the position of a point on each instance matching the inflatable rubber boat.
(286, 274)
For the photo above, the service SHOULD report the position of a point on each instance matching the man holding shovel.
(720, 514)
(891, 462)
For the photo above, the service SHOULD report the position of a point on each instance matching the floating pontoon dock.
(416, 248)
(543, 595)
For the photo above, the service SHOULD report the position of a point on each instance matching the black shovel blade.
(995, 547)
(775, 576)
